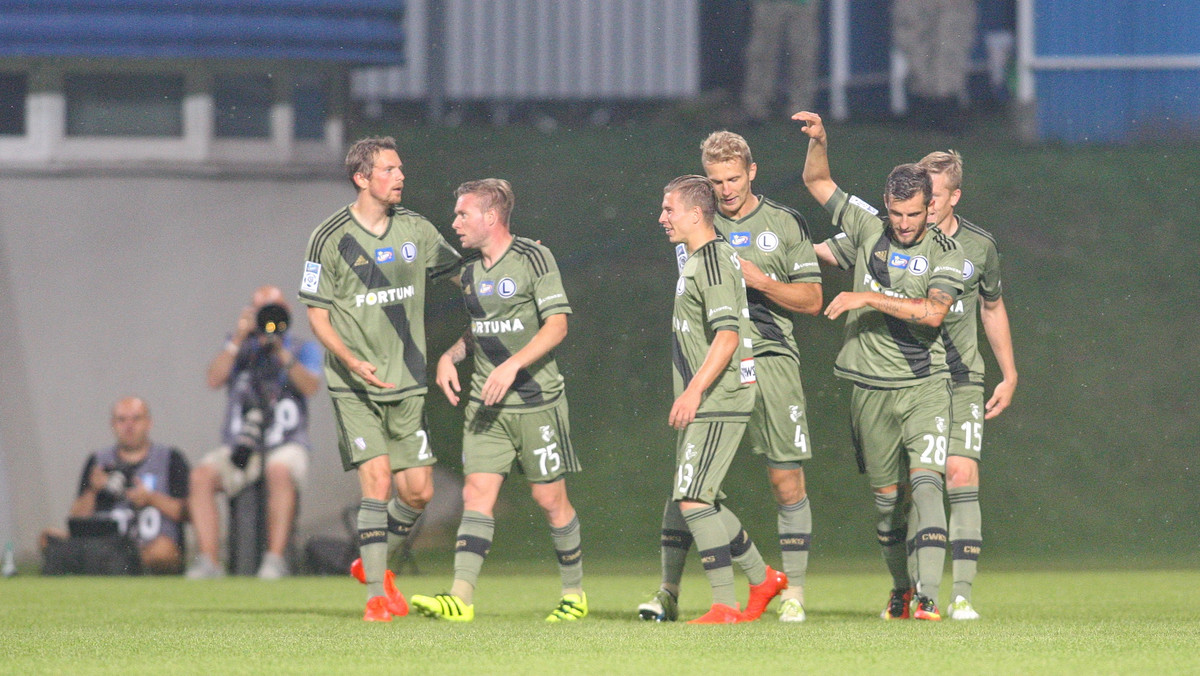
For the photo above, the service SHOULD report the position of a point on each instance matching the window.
(242, 104)
(310, 100)
(121, 104)
(14, 87)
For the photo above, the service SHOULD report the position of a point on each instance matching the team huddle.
(746, 264)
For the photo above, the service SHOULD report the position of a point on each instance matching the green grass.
(1034, 622)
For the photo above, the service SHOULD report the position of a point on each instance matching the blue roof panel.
(345, 31)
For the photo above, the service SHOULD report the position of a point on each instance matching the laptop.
(91, 527)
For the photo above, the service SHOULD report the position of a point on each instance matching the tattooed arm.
(447, 372)
(929, 311)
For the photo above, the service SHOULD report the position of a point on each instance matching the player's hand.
(498, 382)
(1001, 398)
(813, 127)
(366, 371)
(844, 302)
(755, 277)
(447, 379)
(683, 411)
(137, 494)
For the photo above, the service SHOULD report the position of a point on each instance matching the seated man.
(269, 381)
(137, 488)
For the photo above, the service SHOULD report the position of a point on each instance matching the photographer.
(131, 504)
(269, 381)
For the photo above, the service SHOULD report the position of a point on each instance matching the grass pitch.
(1034, 622)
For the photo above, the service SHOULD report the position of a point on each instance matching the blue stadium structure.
(184, 81)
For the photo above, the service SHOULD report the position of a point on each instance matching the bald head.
(267, 295)
(131, 424)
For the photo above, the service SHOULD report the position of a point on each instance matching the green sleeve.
(319, 283)
(946, 269)
(801, 259)
(549, 295)
(441, 258)
(989, 276)
(720, 299)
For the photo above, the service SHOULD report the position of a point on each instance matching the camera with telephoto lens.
(272, 320)
(119, 478)
(249, 437)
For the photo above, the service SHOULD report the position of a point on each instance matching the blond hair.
(723, 146)
(493, 193)
(947, 163)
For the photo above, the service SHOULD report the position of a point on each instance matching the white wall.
(128, 285)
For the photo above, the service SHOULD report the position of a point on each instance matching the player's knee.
(418, 498)
(961, 472)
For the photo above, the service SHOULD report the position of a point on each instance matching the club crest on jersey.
(968, 269)
(681, 286)
(940, 423)
(898, 260)
(487, 288)
(506, 288)
(311, 278)
(547, 432)
(918, 265)
(975, 413)
(408, 251)
(689, 452)
(385, 255)
(739, 239)
(767, 241)
(794, 412)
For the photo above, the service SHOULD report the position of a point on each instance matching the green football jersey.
(776, 239)
(881, 350)
(374, 289)
(710, 296)
(981, 279)
(507, 304)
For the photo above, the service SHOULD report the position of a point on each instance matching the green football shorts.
(966, 428)
(778, 427)
(703, 454)
(539, 442)
(368, 429)
(902, 429)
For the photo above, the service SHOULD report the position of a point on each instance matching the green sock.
(795, 535)
(570, 556)
(473, 543)
(743, 550)
(400, 521)
(713, 542)
(372, 543)
(891, 530)
(966, 537)
(928, 543)
(675, 543)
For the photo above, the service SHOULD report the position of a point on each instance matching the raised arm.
(995, 324)
(816, 163)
